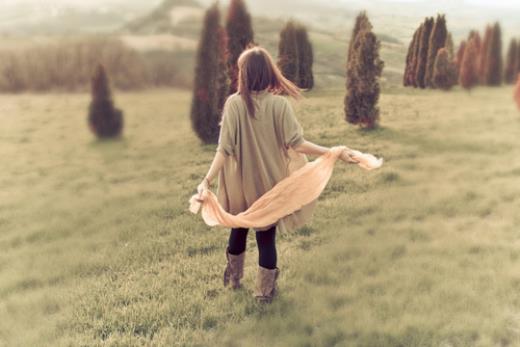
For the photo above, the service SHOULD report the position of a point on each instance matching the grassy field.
(98, 248)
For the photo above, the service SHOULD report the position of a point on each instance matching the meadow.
(98, 247)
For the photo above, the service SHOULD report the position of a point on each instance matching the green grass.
(98, 248)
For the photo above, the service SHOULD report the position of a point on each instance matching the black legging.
(265, 241)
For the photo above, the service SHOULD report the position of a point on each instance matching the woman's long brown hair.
(257, 71)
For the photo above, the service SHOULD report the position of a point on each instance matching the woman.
(258, 128)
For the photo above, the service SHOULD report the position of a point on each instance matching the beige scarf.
(301, 188)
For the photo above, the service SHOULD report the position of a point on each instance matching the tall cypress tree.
(493, 70)
(105, 121)
(305, 58)
(517, 65)
(363, 73)
(288, 54)
(483, 56)
(211, 79)
(362, 23)
(240, 35)
(415, 59)
(420, 71)
(469, 77)
(450, 47)
(474, 35)
(445, 70)
(510, 72)
(437, 41)
(460, 56)
(410, 58)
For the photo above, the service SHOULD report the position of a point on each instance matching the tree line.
(479, 61)
(432, 63)
(429, 61)
(69, 64)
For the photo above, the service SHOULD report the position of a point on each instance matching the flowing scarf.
(300, 188)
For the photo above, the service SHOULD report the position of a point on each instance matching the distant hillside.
(177, 17)
(66, 17)
(176, 25)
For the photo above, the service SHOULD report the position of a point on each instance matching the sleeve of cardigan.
(228, 129)
(292, 131)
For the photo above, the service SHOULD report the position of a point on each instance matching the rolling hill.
(68, 17)
(177, 23)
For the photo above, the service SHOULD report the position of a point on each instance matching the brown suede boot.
(234, 269)
(265, 288)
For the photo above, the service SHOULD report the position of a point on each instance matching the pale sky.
(491, 3)
(501, 5)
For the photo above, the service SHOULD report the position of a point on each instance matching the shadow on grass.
(109, 143)
(111, 150)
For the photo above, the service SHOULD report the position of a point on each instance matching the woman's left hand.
(347, 157)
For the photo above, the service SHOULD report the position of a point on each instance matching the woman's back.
(256, 148)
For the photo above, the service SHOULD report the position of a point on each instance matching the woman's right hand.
(204, 185)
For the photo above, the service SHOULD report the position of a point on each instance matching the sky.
(487, 3)
(492, 3)
(496, 3)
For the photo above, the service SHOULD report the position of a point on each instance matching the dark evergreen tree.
(445, 71)
(362, 23)
(517, 65)
(450, 47)
(437, 41)
(469, 77)
(211, 80)
(305, 58)
(510, 73)
(459, 57)
(494, 71)
(474, 35)
(104, 119)
(240, 35)
(410, 59)
(415, 59)
(422, 58)
(483, 56)
(288, 53)
(363, 73)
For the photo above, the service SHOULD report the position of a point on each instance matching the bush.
(104, 119)
(68, 64)
(511, 72)
(493, 71)
(169, 69)
(469, 74)
(288, 52)
(444, 71)
(363, 72)
(411, 59)
(305, 58)
(437, 41)
(422, 56)
(211, 85)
